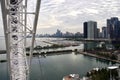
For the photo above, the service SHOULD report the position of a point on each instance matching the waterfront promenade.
(79, 52)
(97, 56)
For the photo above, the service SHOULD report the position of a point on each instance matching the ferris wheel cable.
(35, 26)
(25, 34)
(0, 74)
(40, 65)
(29, 21)
(34, 30)
(7, 71)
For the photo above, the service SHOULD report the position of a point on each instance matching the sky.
(69, 15)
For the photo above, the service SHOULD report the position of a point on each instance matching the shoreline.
(41, 53)
(64, 51)
(97, 56)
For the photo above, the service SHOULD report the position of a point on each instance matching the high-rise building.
(85, 29)
(117, 30)
(113, 26)
(58, 33)
(104, 32)
(98, 33)
(92, 29)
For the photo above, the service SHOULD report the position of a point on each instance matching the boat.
(72, 77)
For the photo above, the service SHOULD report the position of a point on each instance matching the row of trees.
(102, 74)
(108, 55)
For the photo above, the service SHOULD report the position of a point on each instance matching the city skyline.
(67, 15)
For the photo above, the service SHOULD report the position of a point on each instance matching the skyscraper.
(98, 33)
(117, 30)
(113, 26)
(58, 33)
(85, 29)
(92, 29)
(104, 32)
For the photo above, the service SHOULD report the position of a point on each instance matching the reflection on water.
(54, 67)
(90, 45)
(2, 43)
(116, 44)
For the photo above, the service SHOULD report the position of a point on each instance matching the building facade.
(85, 30)
(92, 29)
(113, 26)
(104, 32)
(98, 33)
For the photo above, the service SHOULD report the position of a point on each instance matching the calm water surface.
(54, 67)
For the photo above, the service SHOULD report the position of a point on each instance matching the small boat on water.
(72, 77)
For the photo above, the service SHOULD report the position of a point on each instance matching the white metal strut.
(14, 13)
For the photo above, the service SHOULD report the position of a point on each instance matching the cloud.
(70, 14)
(48, 21)
(74, 13)
(58, 1)
(91, 11)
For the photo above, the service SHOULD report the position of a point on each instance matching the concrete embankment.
(48, 52)
(97, 56)
(42, 53)
(52, 52)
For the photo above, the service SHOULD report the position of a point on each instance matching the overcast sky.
(69, 15)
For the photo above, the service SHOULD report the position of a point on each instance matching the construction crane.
(14, 14)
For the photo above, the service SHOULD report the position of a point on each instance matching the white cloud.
(91, 11)
(72, 13)
(48, 21)
(58, 1)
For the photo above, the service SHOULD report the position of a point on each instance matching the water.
(55, 67)
(39, 41)
(2, 43)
